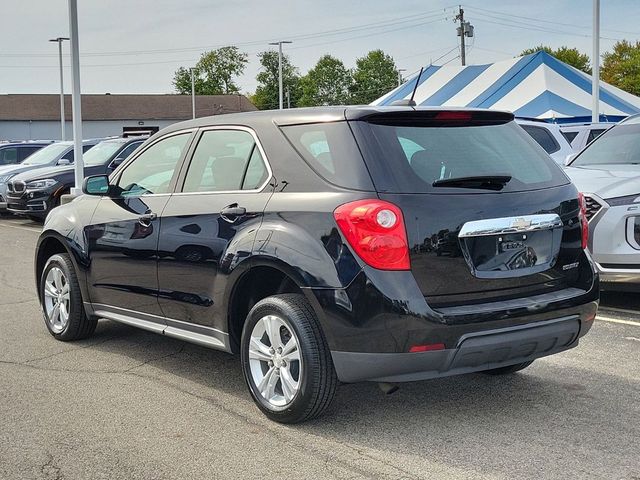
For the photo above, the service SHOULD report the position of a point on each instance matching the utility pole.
(465, 29)
(288, 95)
(59, 41)
(76, 105)
(193, 95)
(280, 92)
(400, 79)
(595, 80)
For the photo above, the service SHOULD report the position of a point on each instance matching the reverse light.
(584, 224)
(426, 348)
(375, 230)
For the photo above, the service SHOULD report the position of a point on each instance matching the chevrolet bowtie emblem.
(520, 223)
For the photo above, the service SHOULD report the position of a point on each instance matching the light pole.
(76, 102)
(59, 41)
(280, 92)
(595, 79)
(193, 95)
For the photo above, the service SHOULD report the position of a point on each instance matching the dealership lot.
(131, 404)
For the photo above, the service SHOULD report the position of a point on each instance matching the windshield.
(101, 153)
(617, 146)
(409, 157)
(47, 154)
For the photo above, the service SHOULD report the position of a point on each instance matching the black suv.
(331, 244)
(36, 192)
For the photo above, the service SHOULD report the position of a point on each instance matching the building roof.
(534, 86)
(120, 107)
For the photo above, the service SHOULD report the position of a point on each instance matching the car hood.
(606, 181)
(16, 169)
(44, 172)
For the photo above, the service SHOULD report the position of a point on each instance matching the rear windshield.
(409, 158)
(618, 146)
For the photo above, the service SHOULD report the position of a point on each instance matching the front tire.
(61, 301)
(286, 361)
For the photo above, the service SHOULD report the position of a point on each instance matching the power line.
(299, 37)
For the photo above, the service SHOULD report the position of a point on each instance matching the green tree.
(327, 83)
(621, 67)
(267, 91)
(215, 73)
(571, 56)
(375, 74)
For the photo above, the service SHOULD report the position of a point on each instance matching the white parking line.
(617, 320)
(619, 310)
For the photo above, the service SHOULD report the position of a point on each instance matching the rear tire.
(61, 301)
(286, 361)
(508, 369)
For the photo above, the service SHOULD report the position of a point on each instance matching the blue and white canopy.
(533, 86)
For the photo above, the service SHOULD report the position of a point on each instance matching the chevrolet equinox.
(326, 245)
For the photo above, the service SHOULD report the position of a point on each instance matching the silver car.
(607, 172)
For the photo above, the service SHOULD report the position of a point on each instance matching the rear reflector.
(426, 348)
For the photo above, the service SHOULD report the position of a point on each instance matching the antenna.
(409, 102)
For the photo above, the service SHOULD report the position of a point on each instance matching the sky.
(135, 46)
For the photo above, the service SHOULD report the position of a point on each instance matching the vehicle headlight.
(627, 200)
(5, 178)
(41, 184)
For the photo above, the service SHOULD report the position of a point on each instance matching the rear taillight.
(584, 224)
(375, 230)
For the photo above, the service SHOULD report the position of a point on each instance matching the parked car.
(313, 258)
(549, 137)
(59, 153)
(608, 172)
(15, 152)
(35, 192)
(580, 135)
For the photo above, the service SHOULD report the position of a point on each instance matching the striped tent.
(533, 86)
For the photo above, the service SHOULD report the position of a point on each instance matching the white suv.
(549, 137)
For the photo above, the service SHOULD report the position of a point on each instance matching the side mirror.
(64, 161)
(96, 185)
(116, 162)
(570, 158)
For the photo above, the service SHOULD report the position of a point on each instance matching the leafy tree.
(214, 73)
(375, 74)
(327, 83)
(621, 67)
(267, 92)
(571, 56)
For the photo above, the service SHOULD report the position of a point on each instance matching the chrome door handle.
(146, 219)
(232, 212)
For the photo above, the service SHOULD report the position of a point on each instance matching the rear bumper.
(619, 278)
(474, 352)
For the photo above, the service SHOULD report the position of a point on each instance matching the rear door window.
(593, 134)
(225, 160)
(408, 159)
(543, 137)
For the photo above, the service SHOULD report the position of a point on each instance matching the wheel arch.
(265, 277)
(51, 243)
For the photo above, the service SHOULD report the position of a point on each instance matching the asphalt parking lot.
(131, 404)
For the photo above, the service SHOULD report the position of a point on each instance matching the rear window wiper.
(487, 182)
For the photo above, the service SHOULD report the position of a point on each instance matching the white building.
(29, 117)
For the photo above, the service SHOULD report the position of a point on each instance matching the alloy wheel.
(275, 361)
(57, 298)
